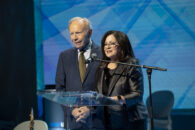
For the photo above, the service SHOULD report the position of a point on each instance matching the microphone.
(92, 58)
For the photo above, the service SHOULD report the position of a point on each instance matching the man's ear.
(90, 33)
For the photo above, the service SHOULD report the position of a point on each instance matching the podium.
(73, 99)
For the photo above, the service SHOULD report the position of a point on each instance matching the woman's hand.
(121, 100)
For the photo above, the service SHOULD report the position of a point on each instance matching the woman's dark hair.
(126, 51)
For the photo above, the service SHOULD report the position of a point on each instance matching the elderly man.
(73, 74)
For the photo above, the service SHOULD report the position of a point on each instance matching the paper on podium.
(75, 98)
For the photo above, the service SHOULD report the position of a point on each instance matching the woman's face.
(111, 48)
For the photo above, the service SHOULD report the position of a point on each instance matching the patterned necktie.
(82, 66)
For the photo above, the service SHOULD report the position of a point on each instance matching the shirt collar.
(88, 47)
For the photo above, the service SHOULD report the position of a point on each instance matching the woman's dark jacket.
(126, 81)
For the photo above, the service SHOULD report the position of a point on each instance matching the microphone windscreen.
(93, 55)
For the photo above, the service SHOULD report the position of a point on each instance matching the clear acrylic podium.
(76, 99)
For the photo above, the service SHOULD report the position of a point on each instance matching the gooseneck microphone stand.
(149, 73)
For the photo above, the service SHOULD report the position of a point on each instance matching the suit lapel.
(90, 65)
(89, 68)
(75, 61)
(115, 78)
(101, 83)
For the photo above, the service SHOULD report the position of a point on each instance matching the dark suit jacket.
(68, 77)
(126, 81)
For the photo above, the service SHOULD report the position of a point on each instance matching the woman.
(122, 83)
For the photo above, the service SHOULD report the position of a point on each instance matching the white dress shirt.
(87, 51)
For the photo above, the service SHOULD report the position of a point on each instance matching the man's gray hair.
(85, 20)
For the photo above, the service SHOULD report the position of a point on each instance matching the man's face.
(79, 33)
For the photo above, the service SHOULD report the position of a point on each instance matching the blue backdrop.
(162, 33)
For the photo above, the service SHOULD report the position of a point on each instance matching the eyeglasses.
(113, 44)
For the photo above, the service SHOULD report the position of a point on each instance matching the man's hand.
(81, 114)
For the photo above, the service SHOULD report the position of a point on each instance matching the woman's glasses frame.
(112, 44)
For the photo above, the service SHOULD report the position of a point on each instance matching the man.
(72, 75)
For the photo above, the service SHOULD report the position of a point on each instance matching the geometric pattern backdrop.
(162, 33)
